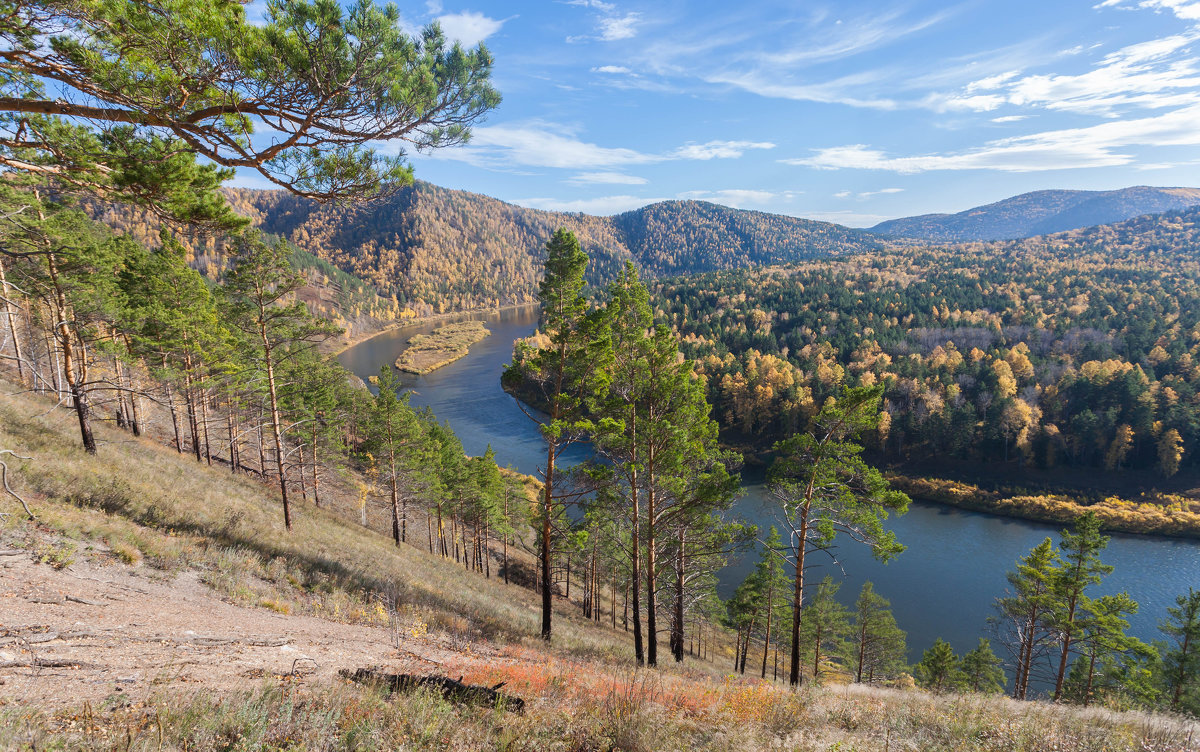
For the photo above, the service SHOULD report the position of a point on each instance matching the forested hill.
(1040, 213)
(454, 249)
(1077, 349)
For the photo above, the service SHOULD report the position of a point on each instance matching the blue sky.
(849, 111)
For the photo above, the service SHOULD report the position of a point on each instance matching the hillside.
(450, 249)
(1040, 213)
(158, 604)
(1038, 351)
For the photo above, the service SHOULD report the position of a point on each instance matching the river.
(944, 585)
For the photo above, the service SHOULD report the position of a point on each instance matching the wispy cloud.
(863, 195)
(614, 69)
(1154, 74)
(613, 28)
(719, 149)
(1189, 10)
(544, 144)
(1093, 146)
(788, 61)
(611, 24)
(607, 178)
(468, 27)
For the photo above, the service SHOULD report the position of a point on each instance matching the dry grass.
(1156, 514)
(137, 501)
(141, 504)
(636, 712)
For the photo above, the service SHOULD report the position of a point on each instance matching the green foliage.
(193, 78)
(878, 646)
(939, 668)
(1181, 660)
(980, 670)
(1040, 353)
(825, 631)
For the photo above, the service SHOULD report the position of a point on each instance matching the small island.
(442, 346)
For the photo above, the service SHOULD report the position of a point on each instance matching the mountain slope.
(453, 249)
(1040, 213)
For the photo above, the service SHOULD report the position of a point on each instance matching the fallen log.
(451, 689)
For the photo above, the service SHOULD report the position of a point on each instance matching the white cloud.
(608, 178)
(1189, 10)
(774, 86)
(611, 25)
(600, 205)
(719, 149)
(468, 27)
(538, 144)
(1154, 74)
(1009, 119)
(597, 4)
(615, 69)
(613, 28)
(543, 144)
(1093, 146)
(867, 194)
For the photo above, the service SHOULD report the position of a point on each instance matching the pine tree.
(1106, 652)
(260, 289)
(1025, 614)
(825, 489)
(938, 669)
(824, 629)
(394, 432)
(980, 669)
(1181, 661)
(561, 377)
(879, 645)
(1079, 568)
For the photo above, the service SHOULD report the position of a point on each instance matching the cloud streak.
(1094, 146)
(543, 144)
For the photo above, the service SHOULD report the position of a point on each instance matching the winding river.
(944, 585)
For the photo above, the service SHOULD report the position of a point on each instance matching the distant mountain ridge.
(1041, 213)
(454, 249)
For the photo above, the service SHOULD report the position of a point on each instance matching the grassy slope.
(137, 500)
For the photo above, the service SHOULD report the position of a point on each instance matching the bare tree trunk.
(204, 422)
(12, 326)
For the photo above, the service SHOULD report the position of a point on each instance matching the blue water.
(944, 585)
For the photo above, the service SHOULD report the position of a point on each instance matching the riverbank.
(441, 347)
(1160, 514)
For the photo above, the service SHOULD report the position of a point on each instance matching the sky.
(850, 112)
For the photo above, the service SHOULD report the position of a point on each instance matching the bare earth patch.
(89, 632)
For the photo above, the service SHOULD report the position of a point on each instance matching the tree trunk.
(798, 597)
(651, 572)
(275, 428)
(677, 630)
(770, 609)
(547, 511)
(12, 326)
